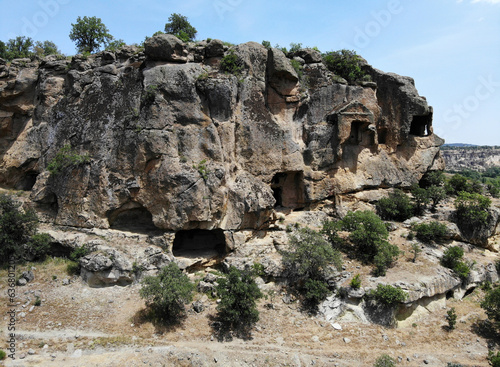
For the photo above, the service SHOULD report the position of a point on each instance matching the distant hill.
(460, 157)
(458, 145)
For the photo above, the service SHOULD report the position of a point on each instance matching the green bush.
(430, 232)
(344, 63)
(452, 259)
(331, 229)
(472, 210)
(385, 258)
(421, 198)
(298, 68)
(434, 178)
(80, 252)
(436, 195)
(356, 282)
(38, 246)
(66, 157)
(266, 44)
(17, 226)
(458, 183)
(231, 64)
(388, 295)
(3, 354)
(494, 358)
(307, 264)
(238, 293)
(385, 361)
(397, 206)
(491, 305)
(167, 293)
(451, 317)
(180, 27)
(367, 232)
(416, 250)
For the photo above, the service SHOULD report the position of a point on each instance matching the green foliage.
(89, 34)
(397, 206)
(491, 305)
(458, 183)
(18, 48)
(202, 169)
(367, 233)
(298, 68)
(331, 229)
(307, 263)
(472, 210)
(294, 47)
(385, 258)
(421, 198)
(385, 361)
(388, 295)
(66, 157)
(115, 45)
(3, 354)
(37, 246)
(266, 44)
(430, 232)
(17, 226)
(494, 358)
(167, 293)
(416, 250)
(356, 282)
(436, 195)
(38, 301)
(258, 269)
(72, 268)
(452, 259)
(45, 48)
(344, 63)
(238, 293)
(231, 64)
(149, 95)
(451, 317)
(180, 27)
(433, 178)
(80, 252)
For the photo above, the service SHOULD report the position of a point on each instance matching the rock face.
(473, 158)
(175, 144)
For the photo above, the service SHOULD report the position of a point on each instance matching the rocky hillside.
(471, 158)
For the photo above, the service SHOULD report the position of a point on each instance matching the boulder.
(165, 47)
(281, 74)
(309, 55)
(214, 48)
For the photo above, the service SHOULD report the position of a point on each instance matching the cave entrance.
(420, 125)
(132, 217)
(27, 182)
(382, 135)
(196, 243)
(288, 189)
(361, 134)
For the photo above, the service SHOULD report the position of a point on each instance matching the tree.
(19, 47)
(180, 27)
(3, 50)
(397, 206)
(89, 33)
(45, 48)
(472, 210)
(436, 195)
(16, 229)
(491, 305)
(451, 317)
(237, 309)
(167, 293)
(345, 63)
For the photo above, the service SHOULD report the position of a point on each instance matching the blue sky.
(450, 47)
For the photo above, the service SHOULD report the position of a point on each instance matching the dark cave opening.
(288, 189)
(420, 125)
(132, 217)
(27, 182)
(382, 135)
(196, 243)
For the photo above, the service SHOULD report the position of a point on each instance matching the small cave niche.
(450, 294)
(288, 189)
(196, 243)
(361, 134)
(131, 217)
(27, 181)
(420, 125)
(48, 205)
(382, 135)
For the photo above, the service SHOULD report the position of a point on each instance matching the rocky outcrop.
(175, 144)
(471, 158)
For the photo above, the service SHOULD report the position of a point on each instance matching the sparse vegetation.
(344, 63)
(430, 232)
(202, 169)
(397, 206)
(451, 318)
(416, 250)
(491, 305)
(494, 358)
(385, 361)
(180, 27)
(388, 295)
(356, 282)
(66, 157)
(167, 293)
(3, 355)
(231, 64)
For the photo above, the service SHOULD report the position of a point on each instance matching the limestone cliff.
(473, 158)
(174, 143)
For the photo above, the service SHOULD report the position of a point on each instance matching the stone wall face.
(173, 139)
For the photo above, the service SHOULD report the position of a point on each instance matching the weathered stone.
(28, 275)
(214, 48)
(309, 55)
(165, 47)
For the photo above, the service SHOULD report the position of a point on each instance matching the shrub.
(37, 246)
(494, 358)
(415, 249)
(3, 354)
(472, 210)
(458, 183)
(180, 27)
(385, 361)
(80, 252)
(421, 198)
(429, 232)
(314, 292)
(344, 63)
(331, 229)
(434, 178)
(436, 195)
(38, 301)
(356, 282)
(231, 64)
(451, 317)
(167, 293)
(298, 68)
(452, 259)
(367, 232)
(385, 258)
(266, 44)
(388, 295)
(294, 47)
(66, 157)
(397, 206)
(491, 305)
(72, 268)
(16, 227)
(238, 293)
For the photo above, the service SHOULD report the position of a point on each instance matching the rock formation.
(473, 158)
(173, 143)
